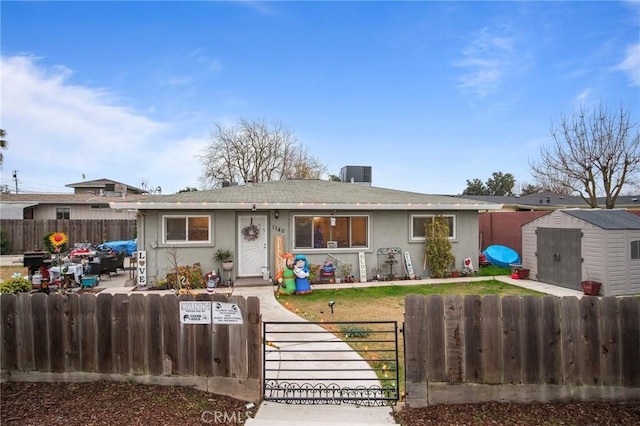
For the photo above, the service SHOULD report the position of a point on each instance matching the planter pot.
(227, 266)
(591, 288)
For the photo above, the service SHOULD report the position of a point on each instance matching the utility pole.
(15, 178)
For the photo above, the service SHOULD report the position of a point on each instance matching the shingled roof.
(304, 195)
(607, 219)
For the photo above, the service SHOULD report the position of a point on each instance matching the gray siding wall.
(77, 212)
(387, 229)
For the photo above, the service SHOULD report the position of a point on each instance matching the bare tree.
(257, 152)
(3, 145)
(593, 153)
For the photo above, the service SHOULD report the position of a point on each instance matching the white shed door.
(252, 245)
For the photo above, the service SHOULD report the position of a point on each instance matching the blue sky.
(429, 94)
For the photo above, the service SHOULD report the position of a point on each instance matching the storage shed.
(569, 246)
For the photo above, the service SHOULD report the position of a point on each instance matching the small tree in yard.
(438, 247)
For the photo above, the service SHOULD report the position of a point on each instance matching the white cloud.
(58, 131)
(488, 58)
(631, 64)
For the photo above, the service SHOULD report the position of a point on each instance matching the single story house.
(322, 220)
(569, 246)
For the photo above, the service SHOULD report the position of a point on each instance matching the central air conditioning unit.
(356, 174)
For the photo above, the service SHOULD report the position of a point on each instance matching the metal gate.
(331, 362)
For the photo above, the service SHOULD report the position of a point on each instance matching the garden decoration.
(285, 276)
(301, 270)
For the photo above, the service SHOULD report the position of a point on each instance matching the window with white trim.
(186, 229)
(322, 232)
(635, 249)
(63, 213)
(419, 221)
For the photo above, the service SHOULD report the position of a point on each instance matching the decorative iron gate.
(331, 362)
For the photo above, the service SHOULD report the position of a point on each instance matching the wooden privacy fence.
(130, 337)
(520, 349)
(27, 235)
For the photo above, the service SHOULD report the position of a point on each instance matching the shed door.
(559, 256)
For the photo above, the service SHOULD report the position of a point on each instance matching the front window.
(418, 223)
(63, 213)
(322, 232)
(187, 229)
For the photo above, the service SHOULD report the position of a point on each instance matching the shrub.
(438, 247)
(354, 331)
(15, 285)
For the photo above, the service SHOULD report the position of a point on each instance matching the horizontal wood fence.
(520, 349)
(130, 337)
(27, 235)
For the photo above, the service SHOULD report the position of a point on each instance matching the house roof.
(607, 219)
(101, 183)
(551, 201)
(35, 199)
(304, 195)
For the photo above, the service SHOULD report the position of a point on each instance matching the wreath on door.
(251, 232)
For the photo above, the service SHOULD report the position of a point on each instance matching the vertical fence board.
(551, 341)
(610, 340)
(630, 323)
(40, 331)
(120, 322)
(25, 332)
(254, 338)
(203, 349)
(221, 354)
(137, 314)
(473, 339)
(531, 339)
(56, 332)
(238, 340)
(491, 324)
(72, 333)
(436, 355)
(590, 359)
(570, 316)
(172, 332)
(103, 342)
(9, 331)
(454, 338)
(511, 340)
(415, 336)
(88, 332)
(155, 344)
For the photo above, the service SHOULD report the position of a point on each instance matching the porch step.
(252, 282)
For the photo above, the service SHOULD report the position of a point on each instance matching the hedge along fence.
(134, 337)
(27, 235)
(520, 349)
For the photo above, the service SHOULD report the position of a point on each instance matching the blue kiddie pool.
(502, 256)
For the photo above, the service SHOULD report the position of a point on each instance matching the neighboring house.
(316, 218)
(566, 247)
(504, 227)
(104, 187)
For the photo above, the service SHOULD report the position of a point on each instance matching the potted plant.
(225, 258)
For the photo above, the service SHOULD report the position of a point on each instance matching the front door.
(252, 244)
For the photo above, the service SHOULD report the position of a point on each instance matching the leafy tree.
(3, 144)
(498, 184)
(334, 178)
(438, 246)
(188, 189)
(530, 189)
(475, 187)
(593, 152)
(253, 151)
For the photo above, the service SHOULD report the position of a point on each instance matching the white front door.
(252, 244)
